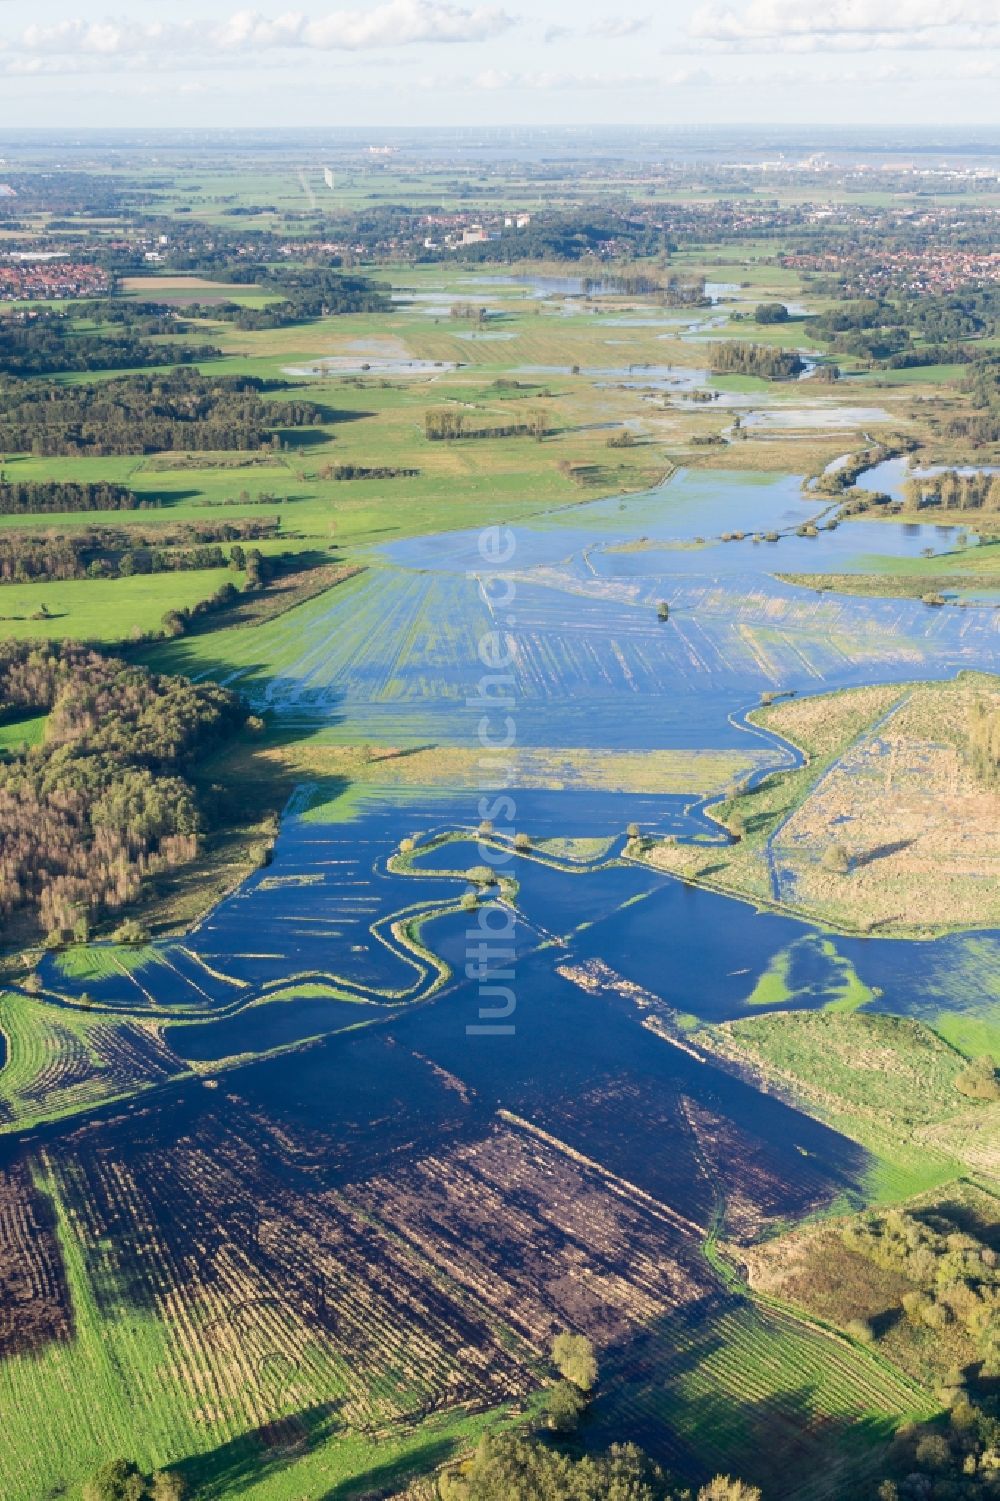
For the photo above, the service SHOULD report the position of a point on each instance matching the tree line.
(509, 1466)
(520, 1465)
(365, 471)
(48, 344)
(120, 552)
(26, 559)
(259, 570)
(145, 413)
(980, 426)
(954, 491)
(882, 331)
(301, 295)
(733, 357)
(104, 801)
(446, 424)
(41, 497)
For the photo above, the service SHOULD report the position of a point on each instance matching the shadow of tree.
(386, 1478)
(251, 1458)
(231, 1468)
(650, 1394)
(881, 852)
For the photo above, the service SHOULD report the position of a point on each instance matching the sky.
(70, 63)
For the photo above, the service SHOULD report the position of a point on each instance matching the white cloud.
(492, 80)
(63, 65)
(607, 28)
(617, 26)
(393, 23)
(883, 74)
(845, 25)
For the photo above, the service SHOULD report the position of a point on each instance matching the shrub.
(573, 1357)
(564, 1407)
(122, 1480)
(116, 1480)
(979, 1081)
(836, 859)
(724, 1488)
(167, 1485)
(131, 932)
(933, 1452)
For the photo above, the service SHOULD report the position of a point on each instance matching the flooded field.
(368, 364)
(824, 418)
(298, 1172)
(890, 474)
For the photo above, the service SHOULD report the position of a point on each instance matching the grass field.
(820, 1269)
(19, 730)
(886, 780)
(62, 1062)
(122, 1381)
(109, 610)
(771, 1400)
(886, 1081)
(956, 575)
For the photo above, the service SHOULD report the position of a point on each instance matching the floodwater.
(368, 365)
(825, 418)
(546, 286)
(656, 377)
(339, 1028)
(395, 658)
(891, 474)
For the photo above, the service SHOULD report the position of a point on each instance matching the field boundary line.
(618, 1184)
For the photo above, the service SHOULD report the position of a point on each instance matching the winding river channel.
(363, 1134)
(317, 941)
